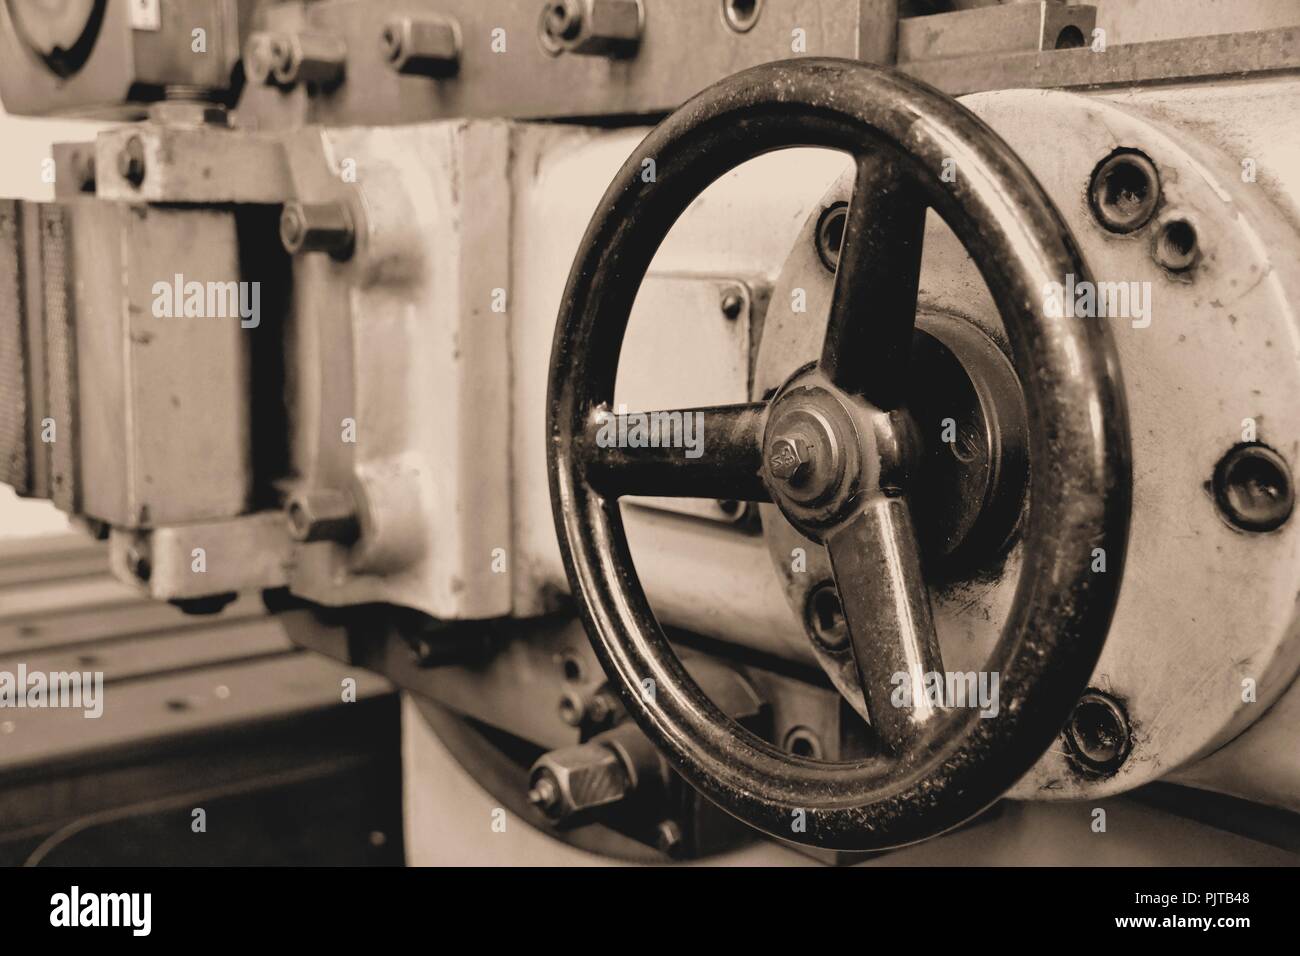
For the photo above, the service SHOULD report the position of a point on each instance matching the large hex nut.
(572, 780)
(423, 46)
(322, 515)
(592, 27)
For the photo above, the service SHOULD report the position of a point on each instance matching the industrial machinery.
(743, 429)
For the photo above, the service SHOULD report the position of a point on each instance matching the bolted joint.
(316, 59)
(421, 46)
(609, 28)
(322, 515)
(574, 780)
(130, 161)
(789, 458)
(317, 227)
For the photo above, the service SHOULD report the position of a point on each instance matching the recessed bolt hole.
(824, 617)
(1070, 38)
(1098, 733)
(830, 233)
(741, 15)
(572, 669)
(1253, 489)
(1176, 245)
(1125, 190)
(803, 742)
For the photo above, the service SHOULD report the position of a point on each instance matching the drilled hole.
(824, 617)
(1176, 245)
(830, 233)
(741, 15)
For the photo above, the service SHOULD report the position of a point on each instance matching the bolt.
(1098, 735)
(544, 793)
(788, 458)
(137, 562)
(315, 58)
(130, 161)
(322, 515)
(317, 227)
(427, 46)
(668, 837)
(733, 301)
(1253, 488)
(592, 27)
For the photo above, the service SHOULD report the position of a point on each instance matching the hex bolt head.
(585, 777)
(314, 58)
(789, 458)
(130, 161)
(322, 515)
(422, 46)
(317, 227)
(609, 28)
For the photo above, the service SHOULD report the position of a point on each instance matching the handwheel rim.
(1079, 453)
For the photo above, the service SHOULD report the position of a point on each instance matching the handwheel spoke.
(873, 309)
(714, 452)
(877, 570)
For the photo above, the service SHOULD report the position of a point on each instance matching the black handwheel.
(834, 450)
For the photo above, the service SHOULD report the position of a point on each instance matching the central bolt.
(789, 458)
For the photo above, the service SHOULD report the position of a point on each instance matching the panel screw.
(317, 227)
(733, 301)
(130, 161)
(1253, 489)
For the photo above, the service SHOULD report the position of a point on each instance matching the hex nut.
(317, 227)
(322, 515)
(314, 58)
(423, 46)
(572, 780)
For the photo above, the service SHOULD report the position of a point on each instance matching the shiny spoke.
(877, 569)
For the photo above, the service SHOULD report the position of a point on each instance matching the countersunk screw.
(130, 161)
(317, 227)
(788, 458)
(732, 303)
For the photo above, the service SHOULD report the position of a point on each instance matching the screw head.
(732, 303)
(789, 458)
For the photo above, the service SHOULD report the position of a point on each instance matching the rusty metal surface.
(15, 438)
(1081, 482)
